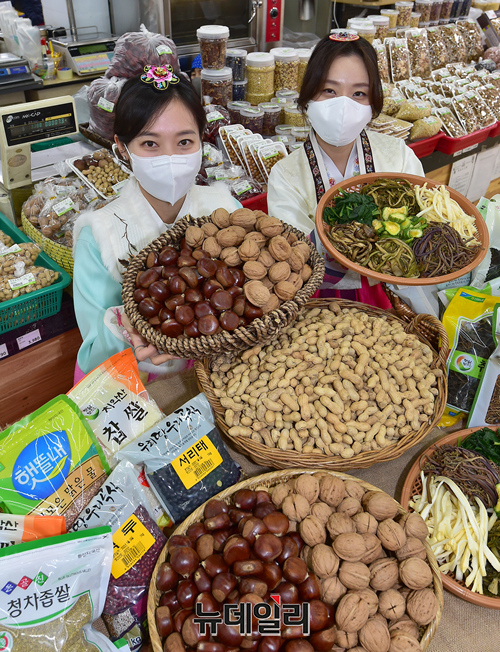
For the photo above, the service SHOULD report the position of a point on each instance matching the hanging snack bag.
(53, 590)
(468, 322)
(185, 460)
(486, 407)
(16, 529)
(52, 462)
(114, 400)
(123, 505)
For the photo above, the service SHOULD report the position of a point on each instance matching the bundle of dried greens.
(393, 256)
(442, 250)
(491, 581)
(474, 474)
(354, 241)
(351, 207)
(393, 193)
(485, 441)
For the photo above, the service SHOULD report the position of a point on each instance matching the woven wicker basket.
(269, 480)
(279, 459)
(224, 343)
(62, 255)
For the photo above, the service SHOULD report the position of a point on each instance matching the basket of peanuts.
(297, 561)
(344, 386)
(217, 285)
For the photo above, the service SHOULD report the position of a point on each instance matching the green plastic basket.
(35, 305)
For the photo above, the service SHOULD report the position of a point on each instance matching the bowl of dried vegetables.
(455, 487)
(400, 228)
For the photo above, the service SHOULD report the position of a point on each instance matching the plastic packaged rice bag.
(19, 529)
(185, 461)
(53, 590)
(52, 462)
(115, 402)
(425, 127)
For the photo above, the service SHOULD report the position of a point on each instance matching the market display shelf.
(425, 146)
(256, 203)
(449, 145)
(35, 305)
(495, 131)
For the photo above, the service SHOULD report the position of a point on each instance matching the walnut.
(254, 270)
(230, 256)
(352, 613)
(332, 490)
(412, 548)
(354, 574)
(405, 624)
(323, 561)
(243, 217)
(371, 599)
(296, 507)
(312, 531)
(365, 523)
(194, 236)
(374, 636)
(305, 553)
(232, 236)
(269, 226)
(391, 534)
(291, 238)
(296, 281)
(257, 237)
(266, 259)
(209, 229)
(380, 505)
(279, 248)
(414, 526)
(322, 511)
(340, 524)
(280, 492)
(249, 250)
(391, 604)
(383, 574)
(374, 548)
(404, 642)
(220, 217)
(332, 589)
(305, 273)
(295, 260)
(279, 272)
(308, 486)
(354, 489)
(415, 573)
(212, 247)
(349, 546)
(350, 506)
(272, 304)
(344, 641)
(256, 293)
(270, 286)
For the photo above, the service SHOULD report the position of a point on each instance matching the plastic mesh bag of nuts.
(420, 58)
(437, 48)
(134, 50)
(102, 96)
(34, 278)
(400, 58)
(6, 239)
(414, 110)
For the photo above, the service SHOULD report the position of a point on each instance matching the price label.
(10, 250)
(63, 206)
(163, 49)
(3, 351)
(214, 115)
(22, 281)
(27, 340)
(130, 543)
(241, 187)
(118, 186)
(106, 105)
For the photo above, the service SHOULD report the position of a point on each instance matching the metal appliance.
(86, 52)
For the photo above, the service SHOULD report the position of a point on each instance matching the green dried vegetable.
(351, 207)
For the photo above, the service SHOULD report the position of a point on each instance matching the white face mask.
(167, 178)
(339, 120)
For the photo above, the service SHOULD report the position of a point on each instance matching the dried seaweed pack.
(486, 407)
(468, 322)
(53, 590)
(185, 460)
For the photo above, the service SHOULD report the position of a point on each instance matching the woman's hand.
(142, 349)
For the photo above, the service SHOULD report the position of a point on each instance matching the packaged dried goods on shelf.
(270, 155)
(234, 108)
(454, 42)
(399, 58)
(382, 62)
(217, 117)
(236, 60)
(272, 115)
(437, 48)
(252, 118)
(435, 12)
(451, 125)
(134, 50)
(424, 8)
(392, 14)
(260, 75)
(304, 56)
(300, 133)
(294, 116)
(446, 8)
(217, 86)
(381, 24)
(213, 44)
(465, 113)
(404, 9)
(489, 93)
(425, 127)
(414, 110)
(286, 74)
(415, 19)
(240, 90)
(471, 35)
(420, 58)
(485, 116)
(226, 145)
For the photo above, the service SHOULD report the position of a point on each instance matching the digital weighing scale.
(13, 70)
(86, 55)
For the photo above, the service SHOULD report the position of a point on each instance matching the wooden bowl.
(355, 184)
(413, 486)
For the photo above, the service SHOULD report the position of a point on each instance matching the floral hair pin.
(160, 76)
(343, 36)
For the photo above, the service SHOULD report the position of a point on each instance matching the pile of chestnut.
(239, 553)
(188, 293)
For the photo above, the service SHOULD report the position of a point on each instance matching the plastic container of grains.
(300, 133)
(217, 85)
(415, 19)
(424, 7)
(286, 74)
(260, 75)
(304, 56)
(283, 102)
(446, 7)
(392, 14)
(404, 9)
(288, 94)
(240, 90)
(252, 118)
(213, 45)
(294, 116)
(365, 30)
(234, 108)
(435, 12)
(381, 24)
(272, 115)
(237, 61)
(283, 130)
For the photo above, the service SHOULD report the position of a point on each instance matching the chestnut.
(202, 580)
(239, 277)
(236, 515)
(229, 320)
(252, 312)
(189, 275)
(186, 593)
(295, 570)
(169, 271)
(318, 615)
(172, 302)
(174, 643)
(152, 259)
(222, 585)
(186, 261)
(179, 540)
(193, 295)
(168, 256)
(180, 617)
(292, 631)
(299, 646)
(267, 547)
(208, 603)
(202, 309)
(209, 287)
(235, 291)
(236, 548)
(191, 632)
(177, 285)
(206, 267)
(192, 330)
(323, 640)
(171, 328)
(271, 574)
(167, 578)
(263, 509)
(164, 621)
(149, 308)
(253, 585)
(270, 644)
(225, 277)
(165, 314)
(290, 549)
(221, 300)
(148, 277)
(184, 245)
(229, 635)
(215, 564)
(239, 305)
(169, 599)
(214, 507)
(298, 540)
(159, 291)
(250, 644)
(155, 321)
(195, 531)
(184, 315)
(248, 567)
(220, 538)
(198, 254)
(140, 294)
(219, 521)
(210, 646)
(184, 560)
(205, 546)
(277, 523)
(288, 591)
(251, 528)
(208, 325)
(310, 588)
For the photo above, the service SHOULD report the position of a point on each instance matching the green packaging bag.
(50, 462)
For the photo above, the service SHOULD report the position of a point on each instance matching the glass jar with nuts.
(217, 85)
(294, 116)
(260, 75)
(304, 56)
(272, 114)
(286, 75)
(213, 43)
(252, 118)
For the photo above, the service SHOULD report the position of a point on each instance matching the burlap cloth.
(464, 627)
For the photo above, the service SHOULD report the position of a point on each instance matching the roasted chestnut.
(220, 521)
(215, 564)
(248, 567)
(186, 593)
(229, 320)
(206, 267)
(152, 259)
(310, 588)
(290, 549)
(149, 307)
(236, 548)
(202, 580)
(288, 591)
(167, 578)
(222, 585)
(252, 312)
(253, 585)
(209, 287)
(165, 314)
(169, 271)
(193, 295)
(225, 277)
(164, 621)
(171, 328)
(318, 615)
(184, 314)
(203, 309)
(177, 285)
(208, 325)
(140, 294)
(277, 523)
(168, 256)
(295, 570)
(169, 599)
(184, 560)
(172, 302)
(214, 507)
(148, 277)
(159, 291)
(221, 300)
(191, 634)
(263, 509)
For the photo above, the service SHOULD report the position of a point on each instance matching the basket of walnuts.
(213, 286)
(353, 563)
